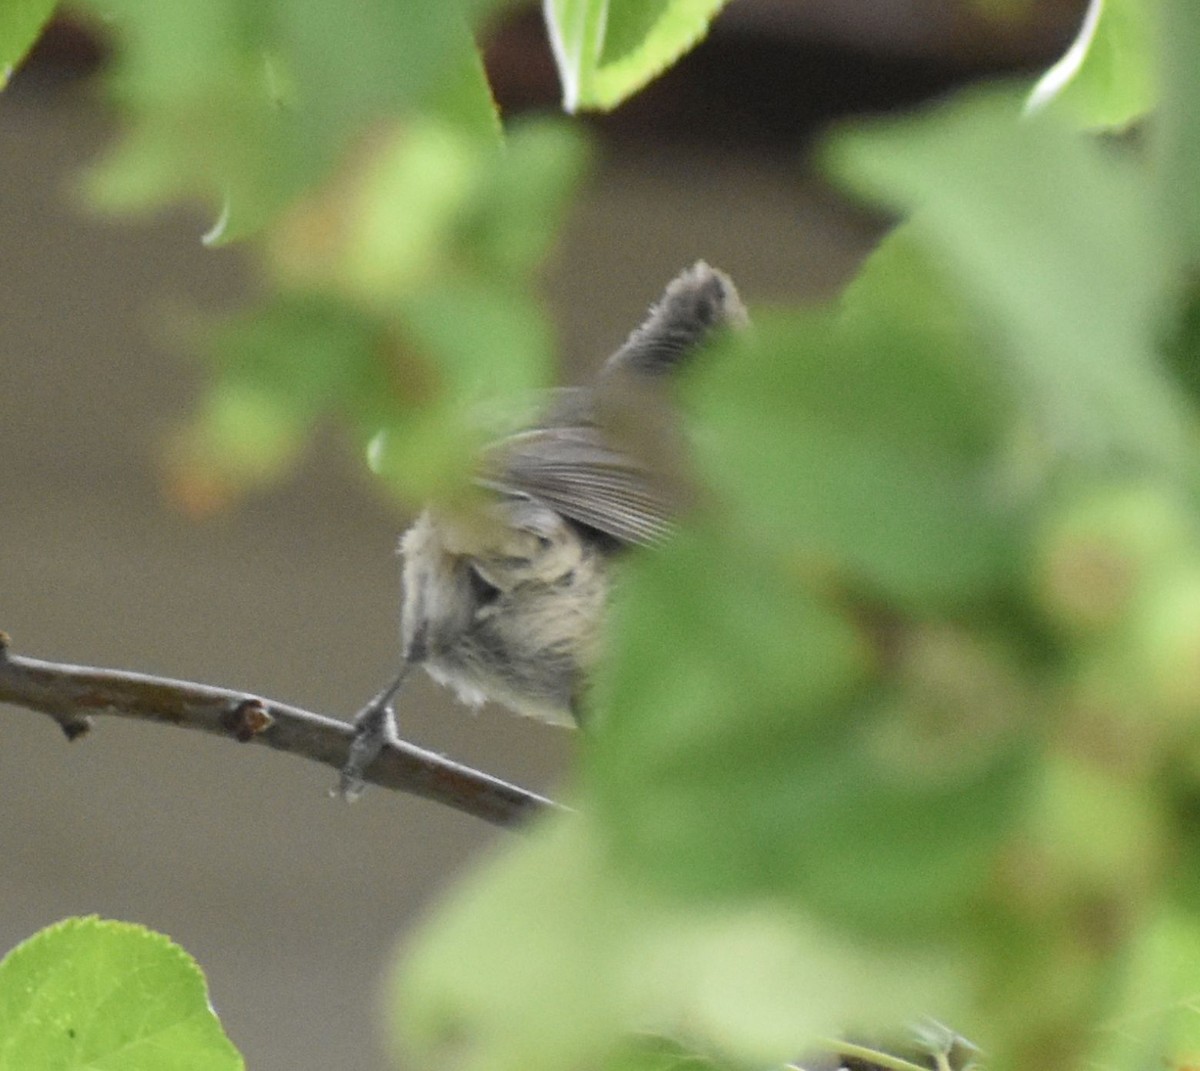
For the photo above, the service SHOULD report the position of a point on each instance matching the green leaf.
(411, 196)
(1181, 344)
(309, 350)
(649, 1053)
(277, 371)
(421, 375)
(1175, 135)
(1157, 1019)
(245, 107)
(21, 23)
(751, 737)
(255, 431)
(1177, 944)
(1056, 244)
(866, 444)
(606, 50)
(551, 957)
(1107, 79)
(491, 342)
(749, 744)
(485, 348)
(428, 202)
(525, 198)
(405, 308)
(873, 440)
(576, 30)
(491, 988)
(94, 994)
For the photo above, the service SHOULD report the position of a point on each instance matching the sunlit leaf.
(606, 50)
(90, 993)
(21, 22)
(1107, 78)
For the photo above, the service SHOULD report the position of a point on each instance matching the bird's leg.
(374, 729)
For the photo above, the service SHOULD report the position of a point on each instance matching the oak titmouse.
(508, 603)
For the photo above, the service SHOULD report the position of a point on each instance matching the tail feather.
(697, 302)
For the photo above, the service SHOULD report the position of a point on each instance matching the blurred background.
(291, 902)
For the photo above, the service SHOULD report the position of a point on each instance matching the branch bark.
(72, 695)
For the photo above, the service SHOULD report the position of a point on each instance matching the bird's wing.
(567, 461)
(574, 471)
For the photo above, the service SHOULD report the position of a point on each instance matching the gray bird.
(507, 603)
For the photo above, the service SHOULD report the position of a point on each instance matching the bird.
(507, 602)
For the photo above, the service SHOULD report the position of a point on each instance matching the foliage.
(1106, 80)
(608, 49)
(91, 993)
(904, 722)
(20, 23)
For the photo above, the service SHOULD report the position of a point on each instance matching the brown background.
(292, 902)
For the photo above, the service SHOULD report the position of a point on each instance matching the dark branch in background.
(71, 695)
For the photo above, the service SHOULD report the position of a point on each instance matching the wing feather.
(567, 462)
(576, 472)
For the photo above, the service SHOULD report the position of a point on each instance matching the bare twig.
(71, 695)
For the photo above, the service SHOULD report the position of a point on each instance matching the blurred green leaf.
(1054, 241)
(1107, 79)
(399, 222)
(89, 993)
(1182, 342)
(309, 350)
(405, 307)
(550, 958)
(242, 436)
(428, 202)
(279, 370)
(494, 981)
(1157, 1020)
(525, 198)
(749, 743)
(370, 140)
(21, 23)
(864, 445)
(416, 383)
(650, 1053)
(489, 348)
(1102, 551)
(606, 50)
(1180, 951)
(1176, 131)
(491, 342)
(244, 107)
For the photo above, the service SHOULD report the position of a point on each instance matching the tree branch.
(71, 695)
